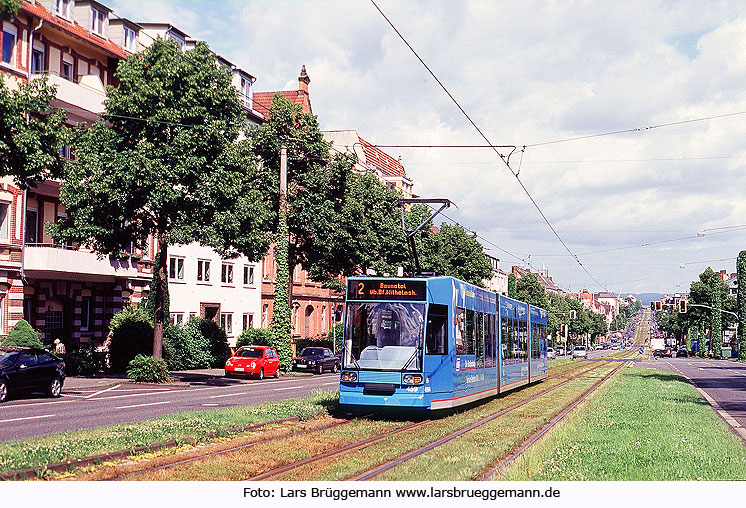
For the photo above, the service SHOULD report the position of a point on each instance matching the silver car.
(579, 352)
(550, 353)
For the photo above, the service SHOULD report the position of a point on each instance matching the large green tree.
(529, 290)
(167, 163)
(30, 133)
(9, 9)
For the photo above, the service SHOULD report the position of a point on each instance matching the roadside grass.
(648, 425)
(69, 446)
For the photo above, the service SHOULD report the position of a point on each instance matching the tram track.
(567, 375)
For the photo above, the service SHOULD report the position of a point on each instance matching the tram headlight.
(411, 379)
(350, 377)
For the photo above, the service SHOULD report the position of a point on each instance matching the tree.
(23, 334)
(512, 291)
(30, 135)
(452, 251)
(529, 290)
(741, 303)
(169, 164)
(9, 9)
(716, 334)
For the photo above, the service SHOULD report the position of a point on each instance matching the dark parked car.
(317, 359)
(30, 370)
(682, 352)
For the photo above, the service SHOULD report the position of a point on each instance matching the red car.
(258, 361)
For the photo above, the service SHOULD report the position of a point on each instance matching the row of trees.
(706, 323)
(173, 159)
(528, 289)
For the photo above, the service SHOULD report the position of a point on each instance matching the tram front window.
(384, 336)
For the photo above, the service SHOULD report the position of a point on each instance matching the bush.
(255, 337)
(148, 369)
(131, 335)
(184, 347)
(85, 361)
(216, 338)
(23, 334)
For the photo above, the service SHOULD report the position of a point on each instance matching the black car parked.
(316, 359)
(30, 370)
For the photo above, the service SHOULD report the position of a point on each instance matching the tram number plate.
(301, 365)
(238, 369)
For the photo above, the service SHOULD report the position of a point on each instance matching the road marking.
(287, 388)
(210, 404)
(332, 383)
(25, 418)
(141, 405)
(227, 395)
(103, 391)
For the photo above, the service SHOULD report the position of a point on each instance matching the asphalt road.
(123, 402)
(722, 381)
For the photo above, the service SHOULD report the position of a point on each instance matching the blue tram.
(436, 343)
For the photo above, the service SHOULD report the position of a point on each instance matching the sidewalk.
(106, 380)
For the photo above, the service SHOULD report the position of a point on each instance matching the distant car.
(259, 361)
(579, 352)
(599, 346)
(560, 351)
(30, 370)
(316, 359)
(682, 351)
(550, 353)
(666, 351)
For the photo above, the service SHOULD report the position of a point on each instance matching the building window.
(226, 322)
(174, 37)
(176, 268)
(85, 314)
(97, 22)
(4, 221)
(67, 71)
(177, 318)
(37, 61)
(62, 8)
(226, 275)
(129, 39)
(248, 321)
(248, 275)
(32, 226)
(9, 46)
(66, 152)
(203, 270)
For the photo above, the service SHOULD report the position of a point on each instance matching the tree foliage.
(529, 290)
(9, 9)
(169, 163)
(30, 134)
(512, 290)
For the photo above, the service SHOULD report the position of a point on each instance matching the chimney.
(303, 81)
(723, 275)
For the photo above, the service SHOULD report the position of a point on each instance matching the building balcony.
(49, 261)
(84, 99)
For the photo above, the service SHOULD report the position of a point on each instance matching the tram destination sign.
(386, 290)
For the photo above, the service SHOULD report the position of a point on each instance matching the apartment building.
(64, 291)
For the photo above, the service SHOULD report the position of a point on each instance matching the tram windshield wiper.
(411, 358)
(352, 356)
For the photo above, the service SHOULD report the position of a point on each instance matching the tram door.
(437, 360)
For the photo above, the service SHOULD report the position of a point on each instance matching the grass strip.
(649, 425)
(70, 446)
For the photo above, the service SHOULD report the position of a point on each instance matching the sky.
(628, 118)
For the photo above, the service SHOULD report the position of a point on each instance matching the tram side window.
(459, 339)
(469, 333)
(504, 332)
(437, 330)
(523, 334)
(479, 336)
(535, 335)
(489, 340)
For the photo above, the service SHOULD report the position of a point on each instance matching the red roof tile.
(36, 9)
(381, 160)
(263, 100)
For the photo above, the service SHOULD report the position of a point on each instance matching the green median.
(644, 425)
(193, 426)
